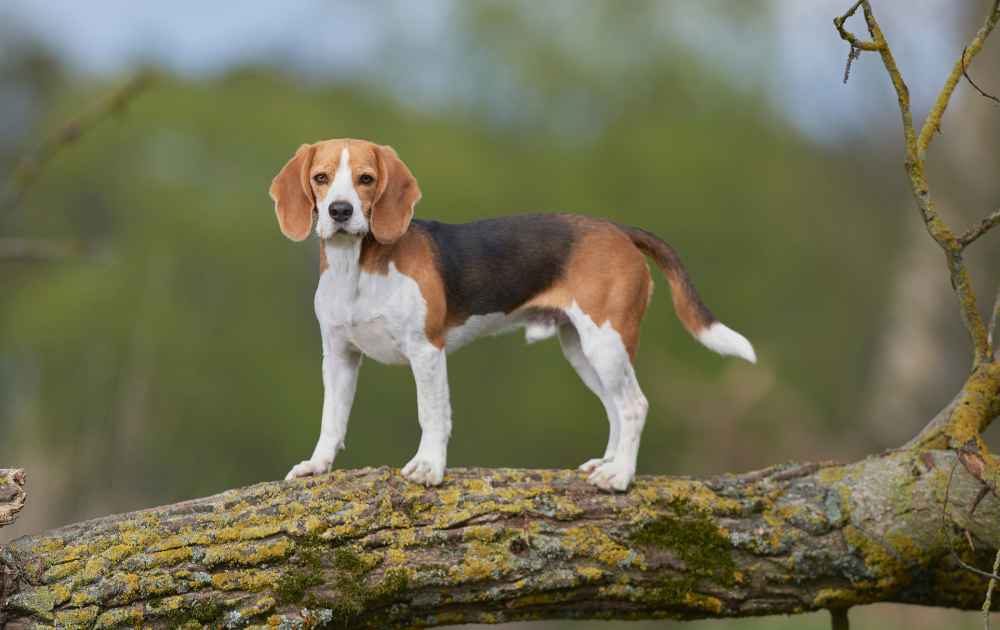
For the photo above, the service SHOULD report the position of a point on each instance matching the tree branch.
(32, 250)
(994, 320)
(31, 166)
(849, 37)
(978, 230)
(916, 149)
(12, 494)
(367, 549)
(933, 122)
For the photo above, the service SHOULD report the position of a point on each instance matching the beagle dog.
(407, 291)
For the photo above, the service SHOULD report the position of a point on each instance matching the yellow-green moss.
(835, 598)
(206, 610)
(247, 554)
(593, 542)
(591, 574)
(38, 601)
(170, 557)
(706, 603)
(129, 617)
(832, 474)
(882, 558)
(76, 617)
(61, 571)
(94, 569)
(354, 594)
(696, 540)
(245, 580)
(481, 562)
(262, 605)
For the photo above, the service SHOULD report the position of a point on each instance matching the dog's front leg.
(434, 411)
(340, 380)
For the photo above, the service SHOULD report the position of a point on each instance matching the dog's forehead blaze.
(361, 156)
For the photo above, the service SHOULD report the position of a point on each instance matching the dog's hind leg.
(605, 351)
(569, 340)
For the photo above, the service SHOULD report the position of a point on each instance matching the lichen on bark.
(367, 549)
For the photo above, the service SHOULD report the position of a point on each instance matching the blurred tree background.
(175, 353)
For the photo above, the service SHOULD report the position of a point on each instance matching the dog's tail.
(692, 312)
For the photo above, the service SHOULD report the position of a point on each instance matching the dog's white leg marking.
(340, 380)
(604, 350)
(430, 372)
(569, 339)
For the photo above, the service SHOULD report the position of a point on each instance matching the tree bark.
(367, 549)
(12, 495)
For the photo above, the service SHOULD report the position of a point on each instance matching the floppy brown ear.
(397, 194)
(292, 194)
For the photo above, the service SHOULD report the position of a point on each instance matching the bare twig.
(852, 56)
(36, 250)
(968, 53)
(849, 37)
(31, 166)
(973, 83)
(944, 532)
(916, 148)
(988, 604)
(994, 319)
(981, 228)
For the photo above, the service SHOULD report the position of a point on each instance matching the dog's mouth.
(345, 232)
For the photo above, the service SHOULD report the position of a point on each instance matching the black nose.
(341, 211)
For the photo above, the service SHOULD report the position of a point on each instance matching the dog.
(407, 291)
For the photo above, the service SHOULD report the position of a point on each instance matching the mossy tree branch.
(960, 424)
(367, 549)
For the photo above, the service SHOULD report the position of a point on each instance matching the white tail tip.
(722, 339)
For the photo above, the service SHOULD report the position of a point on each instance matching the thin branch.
(916, 148)
(988, 604)
(852, 56)
(983, 227)
(30, 167)
(973, 83)
(889, 61)
(36, 250)
(933, 122)
(944, 531)
(849, 37)
(994, 319)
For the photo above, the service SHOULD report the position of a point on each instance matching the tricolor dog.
(407, 291)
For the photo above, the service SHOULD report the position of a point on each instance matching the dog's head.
(353, 187)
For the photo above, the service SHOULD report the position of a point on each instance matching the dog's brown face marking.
(363, 167)
(381, 190)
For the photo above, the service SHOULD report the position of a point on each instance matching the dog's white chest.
(378, 314)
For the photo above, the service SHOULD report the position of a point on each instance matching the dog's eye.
(366, 179)
(321, 178)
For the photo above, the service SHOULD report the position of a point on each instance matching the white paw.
(612, 476)
(424, 470)
(308, 468)
(591, 465)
